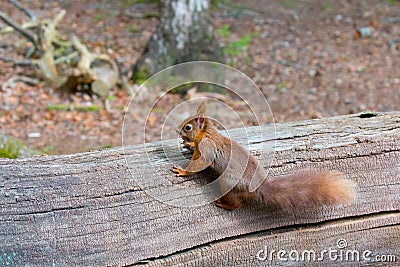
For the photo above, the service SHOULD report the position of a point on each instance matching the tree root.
(100, 72)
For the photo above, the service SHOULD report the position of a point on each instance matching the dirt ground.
(307, 57)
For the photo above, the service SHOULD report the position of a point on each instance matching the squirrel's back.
(234, 162)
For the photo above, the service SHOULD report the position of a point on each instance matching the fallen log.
(87, 210)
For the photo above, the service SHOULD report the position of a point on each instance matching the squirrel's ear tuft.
(201, 121)
(202, 108)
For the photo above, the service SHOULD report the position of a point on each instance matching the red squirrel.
(305, 189)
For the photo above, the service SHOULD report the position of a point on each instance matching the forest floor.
(307, 57)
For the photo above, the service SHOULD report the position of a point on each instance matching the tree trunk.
(184, 34)
(88, 210)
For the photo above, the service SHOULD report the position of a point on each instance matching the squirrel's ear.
(201, 121)
(202, 108)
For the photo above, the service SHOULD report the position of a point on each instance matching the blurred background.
(69, 68)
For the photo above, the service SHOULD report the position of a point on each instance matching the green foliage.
(282, 86)
(290, 3)
(126, 3)
(326, 5)
(148, 1)
(237, 47)
(64, 107)
(392, 2)
(158, 110)
(133, 28)
(89, 108)
(129, 3)
(235, 8)
(201, 87)
(65, 4)
(224, 31)
(64, 53)
(151, 15)
(112, 14)
(216, 3)
(181, 89)
(59, 107)
(140, 76)
(98, 17)
(48, 150)
(10, 148)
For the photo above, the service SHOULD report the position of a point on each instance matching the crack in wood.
(46, 211)
(278, 230)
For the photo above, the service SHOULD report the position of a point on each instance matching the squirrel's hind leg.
(230, 201)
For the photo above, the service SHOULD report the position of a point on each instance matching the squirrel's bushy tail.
(307, 189)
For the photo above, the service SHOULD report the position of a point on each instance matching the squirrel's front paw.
(188, 145)
(179, 171)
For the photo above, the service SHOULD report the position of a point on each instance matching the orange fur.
(307, 189)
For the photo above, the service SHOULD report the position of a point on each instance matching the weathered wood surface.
(87, 210)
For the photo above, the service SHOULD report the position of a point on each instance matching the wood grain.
(88, 210)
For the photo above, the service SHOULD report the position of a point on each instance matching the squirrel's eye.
(188, 127)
